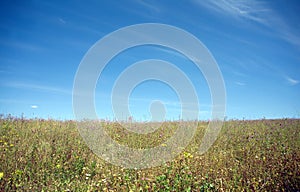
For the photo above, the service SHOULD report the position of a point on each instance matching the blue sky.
(255, 43)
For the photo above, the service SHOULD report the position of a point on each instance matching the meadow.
(50, 155)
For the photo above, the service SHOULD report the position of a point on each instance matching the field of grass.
(49, 155)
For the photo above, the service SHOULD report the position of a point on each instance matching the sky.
(256, 45)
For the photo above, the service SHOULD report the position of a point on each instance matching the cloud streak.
(149, 5)
(26, 46)
(256, 11)
(292, 81)
(240, 83)
(251, 10)
(62, 21)
(38, 87)
(171, 52)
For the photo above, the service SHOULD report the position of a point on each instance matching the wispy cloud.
(38, 87)
(3, 71)
(256, 11)
(149, 5)
(251, 10)
(170, 51)
(287, 33)
(22, 45)
(177, 54)
(240, 83)
(62, 21)
(13, 101)
(291, 81)
(149, 10)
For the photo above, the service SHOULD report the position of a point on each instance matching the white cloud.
(292, 81)
(34, 106)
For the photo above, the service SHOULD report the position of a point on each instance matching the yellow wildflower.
(187, 155)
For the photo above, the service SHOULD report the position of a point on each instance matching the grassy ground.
(48, 155)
